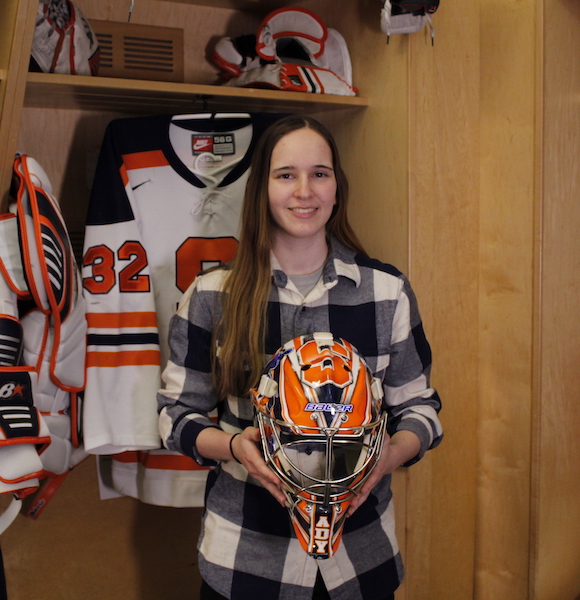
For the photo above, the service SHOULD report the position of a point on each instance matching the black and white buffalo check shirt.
(247, 546)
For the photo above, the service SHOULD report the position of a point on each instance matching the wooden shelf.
(251, 5)
(48, 90)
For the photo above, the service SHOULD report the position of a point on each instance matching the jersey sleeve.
(123, 355)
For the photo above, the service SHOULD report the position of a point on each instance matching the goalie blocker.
(23, 433)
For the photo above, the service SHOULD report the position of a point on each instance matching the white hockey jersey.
(165, 204)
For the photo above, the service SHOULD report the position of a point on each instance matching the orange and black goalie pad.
(49, 266)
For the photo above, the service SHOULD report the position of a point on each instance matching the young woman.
(299, 269)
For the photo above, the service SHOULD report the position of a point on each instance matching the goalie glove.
(21, 424)
(292, 51)
(23, 436)
(23, 432)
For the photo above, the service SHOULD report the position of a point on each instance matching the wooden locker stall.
(462, 159)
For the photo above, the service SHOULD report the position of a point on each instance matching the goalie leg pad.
(56, 460)
(20, 469)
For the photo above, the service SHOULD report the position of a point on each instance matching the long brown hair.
(241, 330)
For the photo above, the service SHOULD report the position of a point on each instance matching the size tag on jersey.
(223, 144)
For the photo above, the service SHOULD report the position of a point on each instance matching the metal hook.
(205, 98)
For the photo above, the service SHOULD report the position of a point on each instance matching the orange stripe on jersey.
(120, 320)
(123, 359)
(144, 160)
(124, 176)
(169, 462)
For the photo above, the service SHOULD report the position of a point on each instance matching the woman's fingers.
(245, 447)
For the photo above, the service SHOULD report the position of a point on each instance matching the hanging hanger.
(210, 115)
(216, 170)
(206, 113)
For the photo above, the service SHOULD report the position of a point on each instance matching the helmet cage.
(321, 464)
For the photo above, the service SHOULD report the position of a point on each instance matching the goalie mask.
(319, 410)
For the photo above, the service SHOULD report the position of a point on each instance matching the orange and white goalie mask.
(322, 424)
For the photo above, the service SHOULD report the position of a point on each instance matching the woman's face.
(301, 185)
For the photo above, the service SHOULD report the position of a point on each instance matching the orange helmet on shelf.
(322, 423)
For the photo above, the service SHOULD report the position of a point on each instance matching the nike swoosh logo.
(140, 184)
(199, 145)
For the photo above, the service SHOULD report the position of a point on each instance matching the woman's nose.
(303, 188)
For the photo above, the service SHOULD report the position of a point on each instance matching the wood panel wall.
(555, 573)
(508, 169)
(444, 190)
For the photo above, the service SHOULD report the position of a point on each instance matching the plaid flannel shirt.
(247, 546)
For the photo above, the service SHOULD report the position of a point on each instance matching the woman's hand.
(397, 450)
(245, 448)
(216, 444)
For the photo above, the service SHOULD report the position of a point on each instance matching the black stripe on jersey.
(122, 339)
